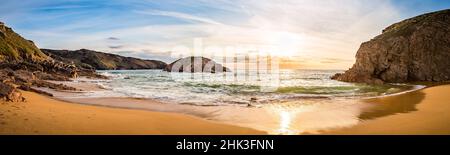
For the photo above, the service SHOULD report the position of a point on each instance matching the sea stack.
(416, 49)
(195, 64)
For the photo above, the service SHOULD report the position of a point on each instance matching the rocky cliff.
(195, 64)
(416, 49)
(89, 59)
(23, 65)
(15, 48)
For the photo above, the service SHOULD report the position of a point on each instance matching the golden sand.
(424, 111)
(44, 115)
(430, 115)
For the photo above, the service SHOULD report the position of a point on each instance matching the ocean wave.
(351, 90)
(103, 86)
(412, 89)
(216, 91)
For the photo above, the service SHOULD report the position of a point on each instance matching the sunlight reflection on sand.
(307, 117)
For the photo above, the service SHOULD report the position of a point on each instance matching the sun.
(285, 43)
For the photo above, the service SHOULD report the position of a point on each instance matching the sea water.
(218, 89)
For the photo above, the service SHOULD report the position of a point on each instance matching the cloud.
(150, 55)
(333, 60)
(179, 15)
(112, 38)
(116, 47)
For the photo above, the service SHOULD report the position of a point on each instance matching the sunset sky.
(321, 34)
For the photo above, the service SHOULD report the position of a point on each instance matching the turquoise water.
(233, 87)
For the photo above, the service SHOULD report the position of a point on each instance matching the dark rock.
(6, 73)
(53, 77)
(41, 83)
(9, 93)
(23, 65)
(24, 77)
(416, 49)
(50, 67)
(195, 64)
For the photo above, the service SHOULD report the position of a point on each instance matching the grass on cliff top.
(14, 47)
(408, 26)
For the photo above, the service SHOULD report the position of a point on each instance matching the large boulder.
(195, 64)
(416, 49)
(8, 92)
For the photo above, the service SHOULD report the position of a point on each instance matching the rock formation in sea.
(89, 59)
(195, 64)
(416, 49)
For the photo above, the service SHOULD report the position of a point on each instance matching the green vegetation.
(14, 47)
(407, 27)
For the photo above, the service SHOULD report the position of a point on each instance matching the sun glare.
(285, 43)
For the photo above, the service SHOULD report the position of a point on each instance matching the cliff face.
(195, 64)
(18, 53)
(23, 65)
(416, 49)
(102, 61)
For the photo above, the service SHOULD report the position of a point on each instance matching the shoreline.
(416, 88)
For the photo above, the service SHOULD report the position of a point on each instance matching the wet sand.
(425, 111)
(44, 115)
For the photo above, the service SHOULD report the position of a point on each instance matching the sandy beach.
(430, 114)
(44, 115)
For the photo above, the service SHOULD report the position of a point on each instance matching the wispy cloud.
(179, 15)
(113, 38)
(115, 47)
